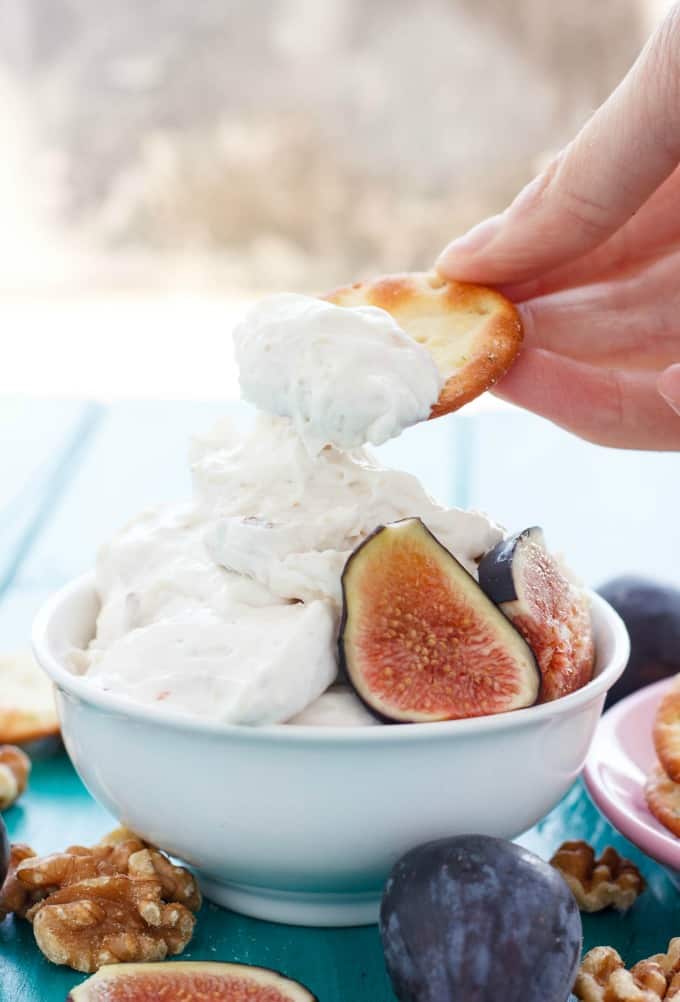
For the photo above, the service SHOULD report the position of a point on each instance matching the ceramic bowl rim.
(78, 687)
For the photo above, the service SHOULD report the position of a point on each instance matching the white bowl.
(302, 825)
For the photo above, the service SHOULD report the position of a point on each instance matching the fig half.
(190, 981)
(551, 613)
(419, 639)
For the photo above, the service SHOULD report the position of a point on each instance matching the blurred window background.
(164, 163)
(216, 150)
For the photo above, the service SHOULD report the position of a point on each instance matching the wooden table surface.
(72, 472)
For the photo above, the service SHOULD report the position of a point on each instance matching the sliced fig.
(551, 613)
(419, 639)
(188, 981)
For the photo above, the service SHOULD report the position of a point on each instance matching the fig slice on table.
(551, 613)
(419, 639)
(190, 981)
(473, 333)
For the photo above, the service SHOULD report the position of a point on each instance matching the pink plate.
(621, 756)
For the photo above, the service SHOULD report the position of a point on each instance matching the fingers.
(648, 234)
(668, 386)
(617, 161)
(632, 322)
(606, 406)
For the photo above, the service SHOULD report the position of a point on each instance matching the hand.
(591, 251)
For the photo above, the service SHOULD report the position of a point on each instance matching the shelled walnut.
(603, 977)
(109, 920)
(15, 897)
(610, 881)
(15, 767)
(121, 900)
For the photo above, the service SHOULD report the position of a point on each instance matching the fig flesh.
(419, 639)
(551, 613)
(651, 612)
(188, 981)
(473, 918)
(4, 852)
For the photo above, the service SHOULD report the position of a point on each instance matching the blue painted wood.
(136, 458)
(609, 511)
(37, 440)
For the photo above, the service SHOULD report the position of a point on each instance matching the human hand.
(591, 251)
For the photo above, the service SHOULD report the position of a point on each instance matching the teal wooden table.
(73, 472)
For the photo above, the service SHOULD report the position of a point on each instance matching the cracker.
(663, 799)
(27, 710)
(666, 733)
(473, 333)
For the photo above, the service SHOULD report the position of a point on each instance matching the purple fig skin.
(498, 567)
(475, 918)
(651, 611)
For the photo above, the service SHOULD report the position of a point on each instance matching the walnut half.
(610, 881)
(16, 898)
(603, 977)
(119, 901)
(15, 767)
(110, 920)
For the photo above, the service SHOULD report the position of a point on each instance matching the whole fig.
(651, 612)
(477, 919)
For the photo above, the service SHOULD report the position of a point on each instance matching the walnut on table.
(603, 977)
(119, 901)
(15, 767)
(610, 881)
(109, 920)
(15, 897)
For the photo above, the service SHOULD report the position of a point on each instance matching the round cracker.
(663, 799)
(473, 333)
(666, 733)
(27, 710)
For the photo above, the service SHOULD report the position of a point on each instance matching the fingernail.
(668, 385)
(471, 242)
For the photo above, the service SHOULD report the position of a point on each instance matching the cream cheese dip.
(227, 606)
(345, 376)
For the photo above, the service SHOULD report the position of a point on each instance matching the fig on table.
(190, 981)
(475, 917)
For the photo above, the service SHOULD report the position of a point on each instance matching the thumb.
(617, 161)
